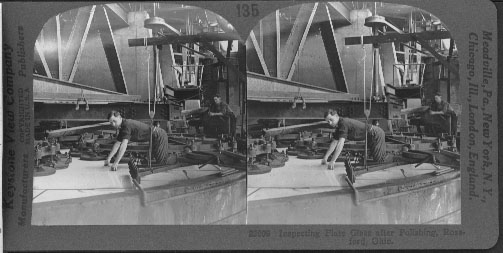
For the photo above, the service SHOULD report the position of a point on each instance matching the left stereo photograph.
(139, 117)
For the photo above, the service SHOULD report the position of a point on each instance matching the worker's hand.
(107, 162)
(114, 167)
(331, 165)
(211, 114)
(323, 161)
(431, 112)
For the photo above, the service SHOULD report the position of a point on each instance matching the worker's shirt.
(442, 106)
(350, 129)
(222, 108)
(134, 130)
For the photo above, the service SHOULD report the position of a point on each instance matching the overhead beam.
(302, 42)
(440, 58)
(222, 58)
(269, 43)
(79, 33)
(283, 110)
(330, 43)
(388, 38)
(342, 16)
(49, 43)
(119, 14)
(42, 59)
(113, 58)
(293, 44)
(224, 24)
(51, 81)
(333, 57)
(193, 50)
(278, 43)
(174, 39)
(259, 53)
(60, 47)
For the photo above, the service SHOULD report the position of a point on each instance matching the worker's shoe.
(350, 171)
(172, 159)
(133, 168)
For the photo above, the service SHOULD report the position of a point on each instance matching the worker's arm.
(446, 108)
(122, 150)
(116, 146)
(338, 150)
(226, 111)
(216, 114)
(331, 149)
(437, 113)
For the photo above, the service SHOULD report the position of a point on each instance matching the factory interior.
(392, 68)
(156, 113)
(178, 70)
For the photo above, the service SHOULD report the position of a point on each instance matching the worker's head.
(217, 99)
(375, 122)
(332, 117)
(115, 119)
(438, 97)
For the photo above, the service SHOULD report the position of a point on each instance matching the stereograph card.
(182, 125)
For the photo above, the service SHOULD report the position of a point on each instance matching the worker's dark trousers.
(160, 145)
(377, 144)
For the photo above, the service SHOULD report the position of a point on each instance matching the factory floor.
(92, 178)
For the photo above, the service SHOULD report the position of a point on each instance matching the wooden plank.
(195, 111)
(388, 38)
(294, 128)
(75, 130)
(414, 110)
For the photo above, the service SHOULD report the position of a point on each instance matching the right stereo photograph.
(353, 114)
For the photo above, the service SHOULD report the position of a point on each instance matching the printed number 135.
(245, 10)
